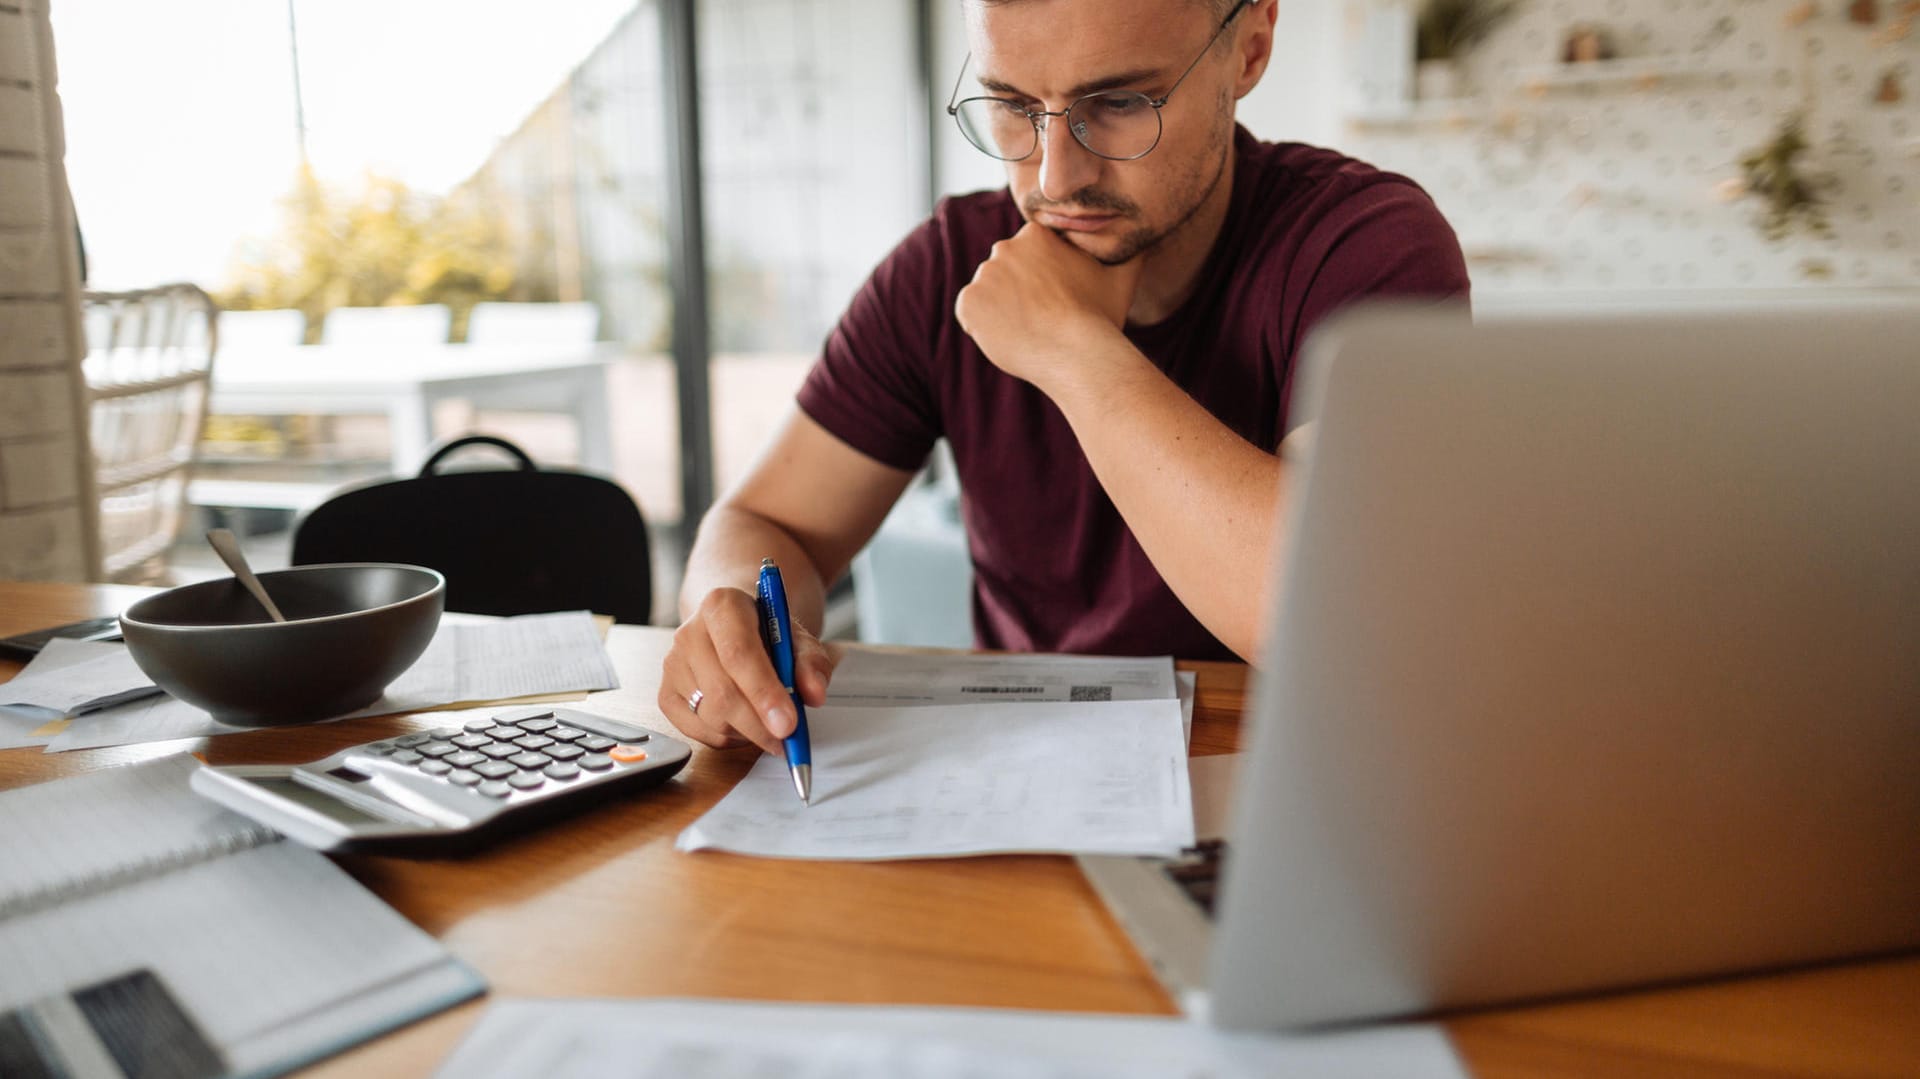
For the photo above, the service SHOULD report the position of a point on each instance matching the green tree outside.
(380, 245)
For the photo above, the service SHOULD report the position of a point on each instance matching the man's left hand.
(1038, 304)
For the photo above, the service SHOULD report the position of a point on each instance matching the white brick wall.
(24, 201)
(28, 260)
(39, 472)
(47, 513)
(33, 334)
(34, 404)
(42, 545)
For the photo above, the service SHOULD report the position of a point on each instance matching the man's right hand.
(718, 653)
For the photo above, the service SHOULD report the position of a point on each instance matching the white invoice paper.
(675, 1039)
(72, 676)
(869, 677)
(948, 780)
(24, 721)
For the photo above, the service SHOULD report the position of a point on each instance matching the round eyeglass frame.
(1036, 116)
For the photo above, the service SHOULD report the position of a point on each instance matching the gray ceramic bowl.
(351, 629)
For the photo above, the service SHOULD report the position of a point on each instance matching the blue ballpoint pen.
(776, 629)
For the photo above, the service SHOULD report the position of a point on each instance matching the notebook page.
(91, 831)
(247, 943)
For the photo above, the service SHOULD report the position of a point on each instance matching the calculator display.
(319, 801)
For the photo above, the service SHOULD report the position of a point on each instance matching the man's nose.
(1065, 165)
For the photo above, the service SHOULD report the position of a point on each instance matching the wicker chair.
(149, 369)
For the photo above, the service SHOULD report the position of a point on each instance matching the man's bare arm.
(1203, 502)
(810, 503)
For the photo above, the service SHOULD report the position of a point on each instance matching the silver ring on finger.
(693, 701)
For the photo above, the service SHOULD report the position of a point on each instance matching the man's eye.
(1120, 104)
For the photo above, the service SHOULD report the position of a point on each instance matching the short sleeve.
(1383, 239)
(1386, 239)
(872, 386)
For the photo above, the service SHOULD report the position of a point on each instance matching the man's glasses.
(1119, 125)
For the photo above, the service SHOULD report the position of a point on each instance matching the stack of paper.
(1069, 754)
(81, 695)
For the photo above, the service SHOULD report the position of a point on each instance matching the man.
(1107, 345)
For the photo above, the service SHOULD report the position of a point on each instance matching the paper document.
(71, 676)
(868, 677)
(507, 657)
(674, 1039)
(30, 725)
(470, 660)
(941, 780)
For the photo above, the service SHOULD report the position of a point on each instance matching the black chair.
(509, 541)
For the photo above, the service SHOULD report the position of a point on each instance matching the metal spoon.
(228, 548)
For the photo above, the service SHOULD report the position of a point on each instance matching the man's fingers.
(724, 707)
(676, 690)
(737, 643)
(814, 663)
(705, 643)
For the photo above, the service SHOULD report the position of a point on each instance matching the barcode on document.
(1090, 693)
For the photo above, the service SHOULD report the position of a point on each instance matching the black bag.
(509, 541)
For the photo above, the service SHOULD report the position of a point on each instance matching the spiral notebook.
(149, 932)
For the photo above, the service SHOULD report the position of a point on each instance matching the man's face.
(1046, 54)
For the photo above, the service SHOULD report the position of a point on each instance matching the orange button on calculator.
(627, 754)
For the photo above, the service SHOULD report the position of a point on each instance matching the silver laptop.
(1597, 665)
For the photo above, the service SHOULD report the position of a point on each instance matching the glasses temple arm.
(1221, 29)
(954, 97)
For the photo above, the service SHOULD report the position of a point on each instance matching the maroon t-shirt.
(1056, 569)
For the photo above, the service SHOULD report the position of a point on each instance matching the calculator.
(447, 790)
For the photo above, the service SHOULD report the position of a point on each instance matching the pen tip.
(803, 782)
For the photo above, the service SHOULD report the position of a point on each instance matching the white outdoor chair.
(533, 323)
(148, 368)
(421, 324)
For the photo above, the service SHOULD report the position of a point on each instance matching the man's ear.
(1253, 46)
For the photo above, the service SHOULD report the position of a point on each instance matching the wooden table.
(603, 905)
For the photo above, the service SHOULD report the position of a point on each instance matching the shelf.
(1517, 88)
(1458, 112)
(1638, 73)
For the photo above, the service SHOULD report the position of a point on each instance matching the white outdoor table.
(405, 382)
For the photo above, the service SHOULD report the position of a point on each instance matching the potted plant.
(1792, 194)
(1445, 32)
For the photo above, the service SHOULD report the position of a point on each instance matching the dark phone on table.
(25, 646)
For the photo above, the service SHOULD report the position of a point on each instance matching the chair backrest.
(533, 323)
(421, 324)
(509, 541)
(242, 331)
(147, 373)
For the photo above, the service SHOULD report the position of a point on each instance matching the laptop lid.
(1597, 663)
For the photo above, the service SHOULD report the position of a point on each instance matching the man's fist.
(1038, 304)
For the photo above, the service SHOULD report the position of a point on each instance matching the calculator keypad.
(500, 756)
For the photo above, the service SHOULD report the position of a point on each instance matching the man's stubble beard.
(1145, 238)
